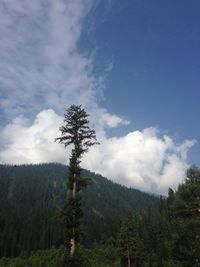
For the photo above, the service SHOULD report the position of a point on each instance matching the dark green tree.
(185, 217)
(75, 132)
(131, 247)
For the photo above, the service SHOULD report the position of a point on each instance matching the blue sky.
(134, 66)
(154, 48)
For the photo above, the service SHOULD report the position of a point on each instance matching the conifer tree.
(130, 244)
(75, 132)
(185, 213)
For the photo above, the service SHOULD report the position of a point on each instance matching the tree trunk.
(129, 262)
(72, 241)
(72, 247)
(128, 254)
(74, 188)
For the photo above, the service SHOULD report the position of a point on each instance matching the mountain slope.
(32, 196)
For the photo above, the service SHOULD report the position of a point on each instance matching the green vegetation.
(131, 247)
(32, 198)
(103, 255)
(41, 258)
(159, 232)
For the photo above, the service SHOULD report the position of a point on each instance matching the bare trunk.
(129, 262)
(72, 241)
(74, 190)
(72, 247)
(128, 254)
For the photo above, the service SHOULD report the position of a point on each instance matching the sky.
(133, 65)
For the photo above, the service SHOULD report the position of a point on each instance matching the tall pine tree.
(75, 132)
(184, 207)
(131, 247)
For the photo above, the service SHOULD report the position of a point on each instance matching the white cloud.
(33, 143)
(141, 159)
(111, 120)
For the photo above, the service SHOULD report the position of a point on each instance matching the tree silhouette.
(75, 132)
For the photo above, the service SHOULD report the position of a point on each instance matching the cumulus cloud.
(32, 143)
(141, 159)
(43, 71)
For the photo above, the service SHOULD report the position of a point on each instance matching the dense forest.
(121, 226)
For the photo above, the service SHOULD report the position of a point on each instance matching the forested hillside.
(32, 197)
(122, 227)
